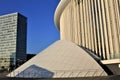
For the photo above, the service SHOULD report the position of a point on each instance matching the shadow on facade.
(35, 72)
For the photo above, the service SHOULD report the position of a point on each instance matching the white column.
(109, 27)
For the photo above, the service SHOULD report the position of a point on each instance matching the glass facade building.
(13, 30)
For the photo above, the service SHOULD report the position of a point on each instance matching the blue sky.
(41, 30)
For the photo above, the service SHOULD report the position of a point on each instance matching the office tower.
(13, 34)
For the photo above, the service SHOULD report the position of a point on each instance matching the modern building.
(60, 60)
(13, 34)
(93, 25)
(89, 45)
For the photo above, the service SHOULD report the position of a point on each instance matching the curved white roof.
(58, 12)
(61, 59)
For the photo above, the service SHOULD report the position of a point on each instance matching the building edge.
(61, 6)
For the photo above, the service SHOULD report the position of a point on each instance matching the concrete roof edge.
(58, 12)
(112, 61)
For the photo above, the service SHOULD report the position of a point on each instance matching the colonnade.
(94, 25)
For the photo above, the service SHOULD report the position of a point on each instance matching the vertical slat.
(107, 52)
(84, 22)
(91, 26)
(88, 26)
(112, 12)
(94, 29)
(98, 29)
(109, 27)
(101, 31)
(117, 20)
(79, 21)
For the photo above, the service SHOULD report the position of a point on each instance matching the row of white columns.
(93, 24)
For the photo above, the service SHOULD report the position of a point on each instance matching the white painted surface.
(119, 65)
(112, 61)
(61, 59)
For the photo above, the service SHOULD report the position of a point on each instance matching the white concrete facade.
(61, 59)
(92, 24)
